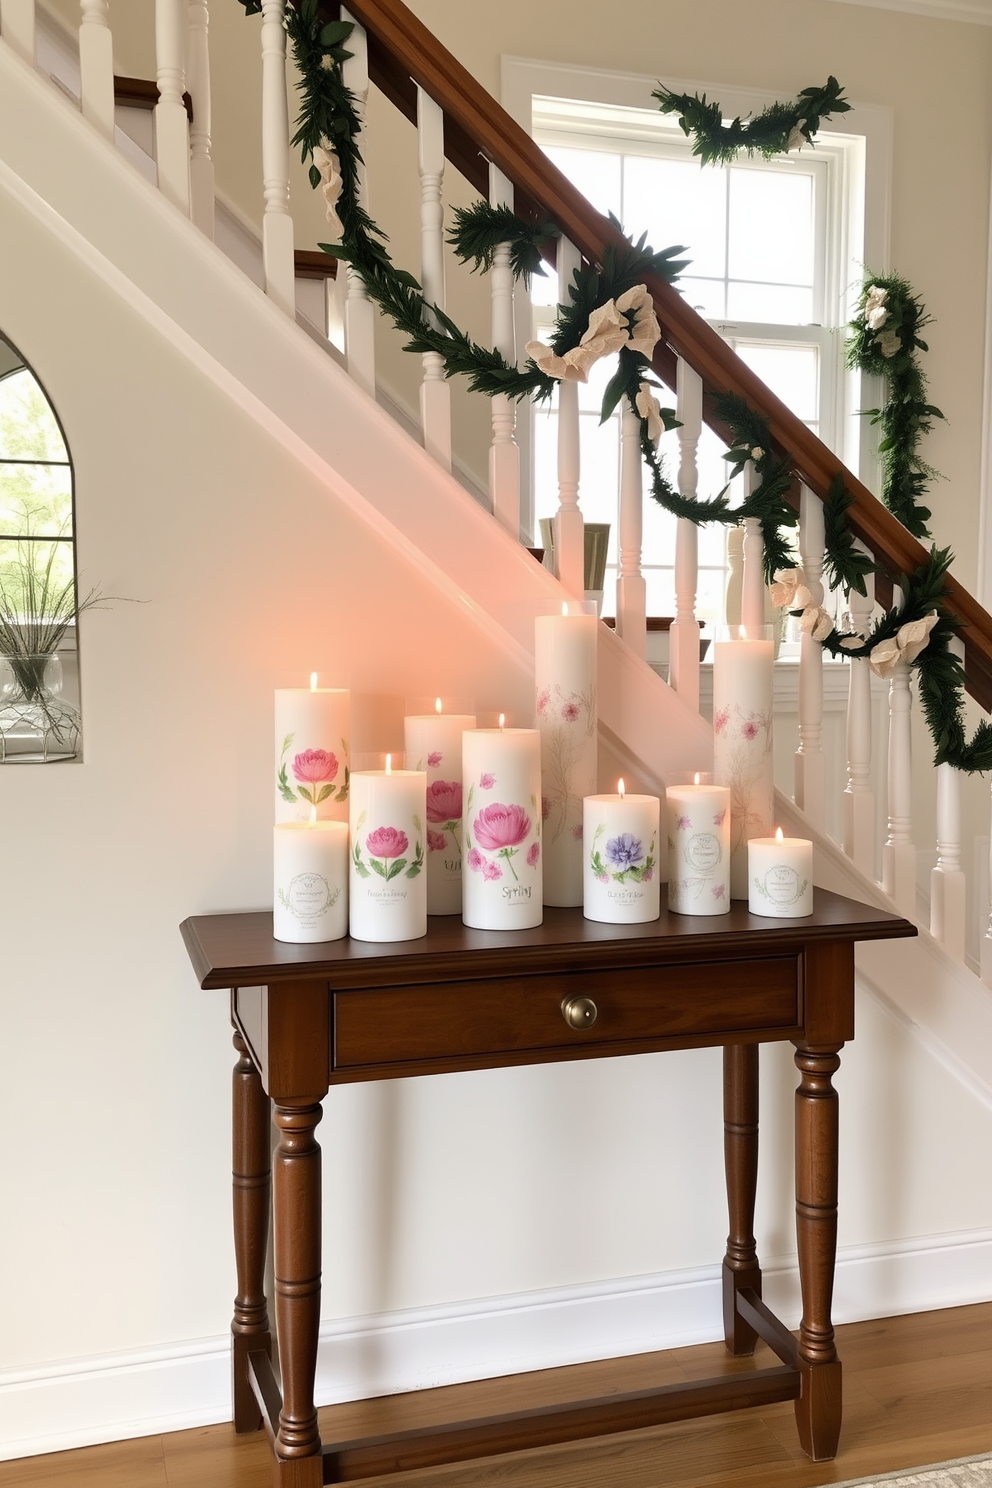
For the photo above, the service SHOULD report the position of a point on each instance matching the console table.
(308, 1017)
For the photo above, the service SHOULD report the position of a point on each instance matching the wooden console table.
(308, 1017)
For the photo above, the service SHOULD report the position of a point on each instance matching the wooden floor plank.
(918, 1390)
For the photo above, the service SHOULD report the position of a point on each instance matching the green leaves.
(478, 231)
(769, 133)
(844, 564)
(285, 789)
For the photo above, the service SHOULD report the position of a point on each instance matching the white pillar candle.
(313, 726)
(742, 737)
(698, 847)
(502, 881)
(620, 868)
(780, 877)
(388, 884)
(565, 679)
(434, 745)
(310, 881)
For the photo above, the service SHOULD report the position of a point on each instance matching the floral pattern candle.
(310, 881)
(698, 847)
(311, 769)
(388, 885)
(620, 870)
(502, 880)
(780, 876)
(742, 737)
(565, 678)
(434, 744)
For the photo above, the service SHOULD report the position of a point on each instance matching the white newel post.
(201, 165)
(683, 639)
(171, 119)
(753, 586)
(359, 313)
(859, 797)
(96, 65)
(735, 576)
(17, 27)
(504, 454)
(899, 853)
(810, 777)
(277, 224)
(435, 393)
(569, 526)
(947, 880)
(631, 590)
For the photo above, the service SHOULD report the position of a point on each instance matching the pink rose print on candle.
(486, 781)
(533, 854)
(387, 848)
(543, 699)
(387, 842)
(434, 758)
(720, 720)
(749, 729)
(435, 841)
(315, 768)
(570, 712)
(683, 823)
(492, 871)
(501, 829)
(475, 860)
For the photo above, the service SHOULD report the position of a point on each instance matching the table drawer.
(453, 1020)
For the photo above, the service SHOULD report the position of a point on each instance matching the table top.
(237, 950)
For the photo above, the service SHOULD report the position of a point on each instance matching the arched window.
(39, 693)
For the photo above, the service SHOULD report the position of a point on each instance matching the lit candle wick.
(313, 681)
(313, 817)
(695, 778)
(779, 835)
(437, 704)
(564, 606)
(389, 764)
(502, 720)
(620, 789)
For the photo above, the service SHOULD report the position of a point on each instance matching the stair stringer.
(184, 285)
(938, 1000)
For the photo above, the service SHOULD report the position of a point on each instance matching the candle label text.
(703, 852)
(781, 885)
(516, 893)
(308, 898)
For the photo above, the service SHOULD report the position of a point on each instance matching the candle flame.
(502, 720)
(313, 816)
(779, 835)
(389, 764)
(564, 606)
(620, 788)
(437, 704)
(695, 778)
(313, 681)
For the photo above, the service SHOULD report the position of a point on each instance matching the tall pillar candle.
(698, 847)
(502, 882)
(742, 737)
(387, 882)
(620, 868)
(565, 679)
(434, 745)
(780, 877)
(313, 726)
(310, 881)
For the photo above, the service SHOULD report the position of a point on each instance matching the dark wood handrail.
(403, 53)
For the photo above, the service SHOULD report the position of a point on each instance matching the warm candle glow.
(313, 681)
(564, 606)
(779, 835)
(313, 816)
(695, 778)
(437, 704)
(620, 789)
(502, 720)
(389, 764)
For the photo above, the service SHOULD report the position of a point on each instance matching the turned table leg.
(818, 1409)
(250, 1324)
(740, 1148)
(296, 1227)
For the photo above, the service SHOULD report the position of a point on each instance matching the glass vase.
(36, 724)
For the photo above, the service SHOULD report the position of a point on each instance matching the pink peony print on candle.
(444, 801)
(434, 758)
(315, 768)
(501, 830)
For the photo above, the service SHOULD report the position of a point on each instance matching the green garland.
(782, 127)
(884, 338)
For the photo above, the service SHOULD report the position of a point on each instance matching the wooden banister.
(403, 54)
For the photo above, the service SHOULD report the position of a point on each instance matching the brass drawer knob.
(579, 1012)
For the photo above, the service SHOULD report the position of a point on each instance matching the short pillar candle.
(780, 877)
(565, 648)
(620, 859)
(388, 884)
(434, 745)
(310, 881)
(698, 847)
(502, 879)
(313, 725)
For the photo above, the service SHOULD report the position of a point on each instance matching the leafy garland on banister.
(610, 309)
(780, 128)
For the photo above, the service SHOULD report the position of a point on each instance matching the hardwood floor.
(917, 1390)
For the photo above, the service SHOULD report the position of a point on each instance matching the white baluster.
(171, 119)
(631, 591)
(899, 853)
(504, 454)
(810, 776)
(683, 638)
(17, 27)
(435, 394)
(753, 587)
(201, 166)
(569, 526)
(359, 313)
(859, 797)
(96, 65)
(947, 880)
(735, 576)
(277, 224)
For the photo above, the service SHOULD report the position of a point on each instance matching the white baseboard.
(80, 1402)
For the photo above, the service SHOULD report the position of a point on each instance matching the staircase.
(189, 269)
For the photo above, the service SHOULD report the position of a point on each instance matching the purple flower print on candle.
(501, 829)
(683, 823)
(435, 841)
(444, 801)
(719, 818)
(434, 758)
(719, 891)
(486, 781)
(313, 768)
(533, 854)
(624, 852)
